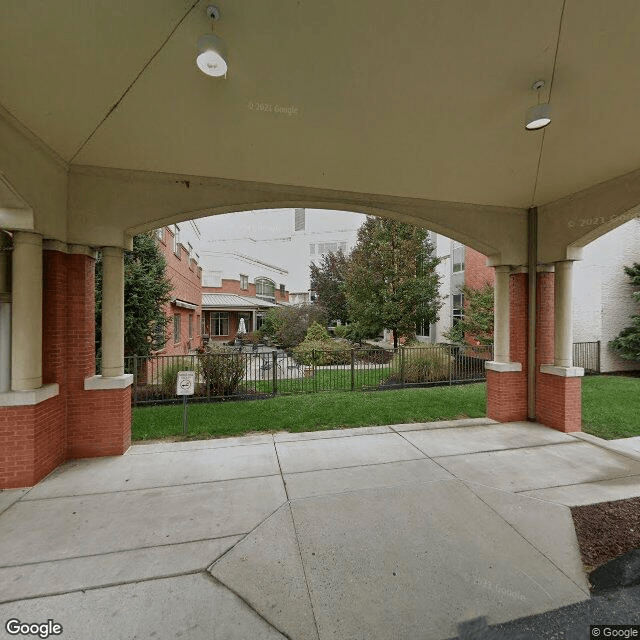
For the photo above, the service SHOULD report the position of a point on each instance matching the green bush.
(287, 326)
(341, 331)
(322, 353)
(426, 363)
(221, 368)
(169, 372)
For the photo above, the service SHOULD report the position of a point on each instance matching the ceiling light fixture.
(211, 58)
(538, 116)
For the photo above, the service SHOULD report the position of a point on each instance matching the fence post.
(274, 368)
(401, 347)
(135, 380)
(353, 369)
(313, 371)
(598, 369)
(450, 364)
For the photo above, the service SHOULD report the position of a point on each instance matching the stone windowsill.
(100, 383)
(563, 372)
(503, 367)
(29, 398)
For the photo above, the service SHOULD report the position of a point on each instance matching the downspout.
(5, 312)
(532, 264)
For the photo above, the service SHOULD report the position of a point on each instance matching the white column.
(5, 312)
(563, 292)
(501, 314)
(112, 312)
(26, 326)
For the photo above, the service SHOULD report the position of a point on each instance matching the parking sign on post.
(185, 386)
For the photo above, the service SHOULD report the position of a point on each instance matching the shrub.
(322, 353)
(169, 373)
(287, 326)
(221, 368)
(321, 349)
(426, 363)
(341, 331)
(374, 355)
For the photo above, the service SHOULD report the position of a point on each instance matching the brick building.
(184, 311)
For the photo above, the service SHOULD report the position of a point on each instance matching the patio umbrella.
(241, 327)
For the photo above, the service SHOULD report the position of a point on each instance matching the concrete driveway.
(393, 532)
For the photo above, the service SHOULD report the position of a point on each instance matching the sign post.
(185, 386)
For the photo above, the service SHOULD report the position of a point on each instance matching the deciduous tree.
(477, 324)
(392, 281)
(328, 280)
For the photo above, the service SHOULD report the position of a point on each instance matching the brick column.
(558, 387)
(507, 381)
(99, 409)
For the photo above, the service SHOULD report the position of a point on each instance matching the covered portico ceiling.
(413, 109)
(420, 99)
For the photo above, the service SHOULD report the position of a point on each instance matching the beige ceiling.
(416, 98)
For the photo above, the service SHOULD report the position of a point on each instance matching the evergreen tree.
(328, 280)
(391, 281)
(627, 344)
(146, 290)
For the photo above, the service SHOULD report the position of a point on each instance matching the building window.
(176, 240)
(244, 281)
(176, 328)
(259, 319)
(457, 257)
(203, 325)
(198, 322)
(191, 325)
(160, 234)
(299, 221)
(283, 290)
(212, 279)
(220, 323)
(457, 308)
(327, 247)
(423, 328)
(266, 288)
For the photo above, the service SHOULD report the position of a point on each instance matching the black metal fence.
(587, 356)
(253, 373)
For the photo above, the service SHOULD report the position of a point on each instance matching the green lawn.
(610, 409)
(611, 406)
(311, 412)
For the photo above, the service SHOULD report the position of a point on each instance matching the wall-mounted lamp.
(211, 50)
(538, 116)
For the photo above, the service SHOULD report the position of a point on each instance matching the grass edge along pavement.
(610, 409)
(312, 412)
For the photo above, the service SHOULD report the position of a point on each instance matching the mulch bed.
(607, 530)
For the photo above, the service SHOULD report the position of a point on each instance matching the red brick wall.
(76, 423)
(558, 399)
(476, 271)
(186, 278)
(507, 391)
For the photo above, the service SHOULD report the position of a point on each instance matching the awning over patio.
(227, 301)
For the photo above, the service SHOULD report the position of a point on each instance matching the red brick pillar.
(99, 419)
(42, 428)
(507, 390)
(558, 395)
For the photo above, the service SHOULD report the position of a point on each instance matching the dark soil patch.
(607, 530)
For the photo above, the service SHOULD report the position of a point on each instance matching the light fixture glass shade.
(211, 56)
(537, 117)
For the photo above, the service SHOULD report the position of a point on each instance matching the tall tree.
(627, 344)
(477, 323)
(328, 280)
(146, 290)
(392, 281)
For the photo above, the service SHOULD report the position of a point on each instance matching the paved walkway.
(397, 532)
